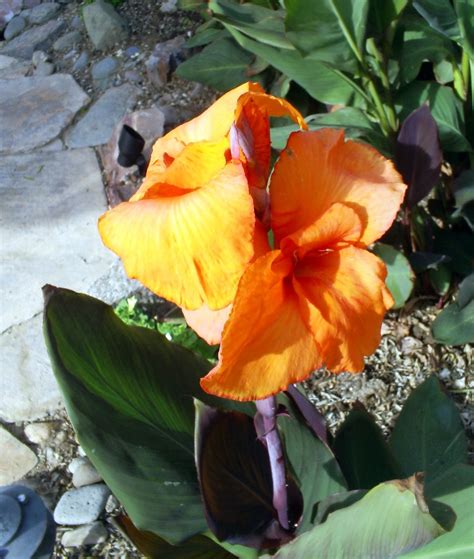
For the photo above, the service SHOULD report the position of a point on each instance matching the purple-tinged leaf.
(313, 418)
(236, 481)
(418, 154)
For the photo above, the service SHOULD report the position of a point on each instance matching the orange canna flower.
(187, 234)
(319, 297)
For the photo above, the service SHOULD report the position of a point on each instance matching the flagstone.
(39, 37)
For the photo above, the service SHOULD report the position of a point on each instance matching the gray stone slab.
(40, 37)
(16, 459)
(48, 225)
(35, 110)
(11, 68)
(97, 125)
(28, 389)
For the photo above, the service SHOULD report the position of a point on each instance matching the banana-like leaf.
(129, 394)
(400, 277)
(428, 435)
(390, 520)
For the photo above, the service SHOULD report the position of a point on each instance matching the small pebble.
(43, 12)
(75, 463)
(38, 57)
(459, 383)
(91, 534)
(44, 69)
(85, 474)
(76, 22)
(39, 433)
(112, 504)
(81, 506)
(132, 52)
(81, 62)
(102, 71)
(409, 345)
(67, 41)
(51, 457)
(444, 374)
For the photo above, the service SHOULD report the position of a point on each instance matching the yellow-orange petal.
(209, 324)
(271, 106)
(344, 298)
(266, 345)
(319, 168)
(189, 249)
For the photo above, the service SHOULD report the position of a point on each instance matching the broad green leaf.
(454, 488)
(335, 502)
(382, 13)
(221, 65)
(319, 80)
(194, 5)
(443, 71)
(422, 261)
(154, 547)
(459, 247)
(332, 31)
(128, 392)
(362, 452)
(428, 435)
(400, 277)
(262, 24)
(463, 190)
(390, 520)
(465, 14)
(311, 461)
(354, 122)
(455, 324)
(235, 478)
(440, 15)
(440, 279)
(445, 107)
(206, 36)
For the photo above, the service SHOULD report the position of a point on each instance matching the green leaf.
(206, 36)
(455, 324)
(128, 392)
(319, 80)
(154, 547)
(428, 435)
(445, 107)
(440, 279)
(400, 278)
(262, 24)
(331, 31)
(390, 520)
(335, 502)
(454, 488)
(221, 65)
(463, 190)
(381, 14)
(465, 14)
(311, 461)
(459, 247)
(235, 478)
(440, 15)
(354, 122)
(362, 452)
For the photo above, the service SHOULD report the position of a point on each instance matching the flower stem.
(267, 409)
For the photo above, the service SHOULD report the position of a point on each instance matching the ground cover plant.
(396, 74)
(223, 456)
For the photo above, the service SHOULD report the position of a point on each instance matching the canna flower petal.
(209, 324)
(266, 345)
(319, 168)
(190, 249)
(343, 298)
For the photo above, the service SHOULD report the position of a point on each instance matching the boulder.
(103, 24)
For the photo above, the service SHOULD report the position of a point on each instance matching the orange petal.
(334, 229)
(266, 345)
(318, 168)
(344, 298)
(209, 324)
(190, 249)
(271, 106)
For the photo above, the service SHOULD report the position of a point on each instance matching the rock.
(91, 534)
(38, 57)
(16, 459)
(410, 345)
(57, 242)
(168, 6)
(103, 71)
(103, 24)
(97, 125)
(31, 3)
(55, 145)
(444, 374)
(459, 383)
(52, 457)
(81, 62)
(14, 28)
(112, 504)
(39, 433)
(81, 506)
(35, 110)
(75, 463)
(164, 59)
(44, 69)
(149, 124)
(132, 52)
(37, 38)
(132, 76)
(42, 13)
(67, 41)
(11, 68)
(76, 22)
(85, 474)
(8, 9)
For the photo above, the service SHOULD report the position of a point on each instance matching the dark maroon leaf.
(313, 418)
(418, 154)
(236, 482)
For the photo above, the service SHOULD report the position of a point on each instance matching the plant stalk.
(267, 408)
